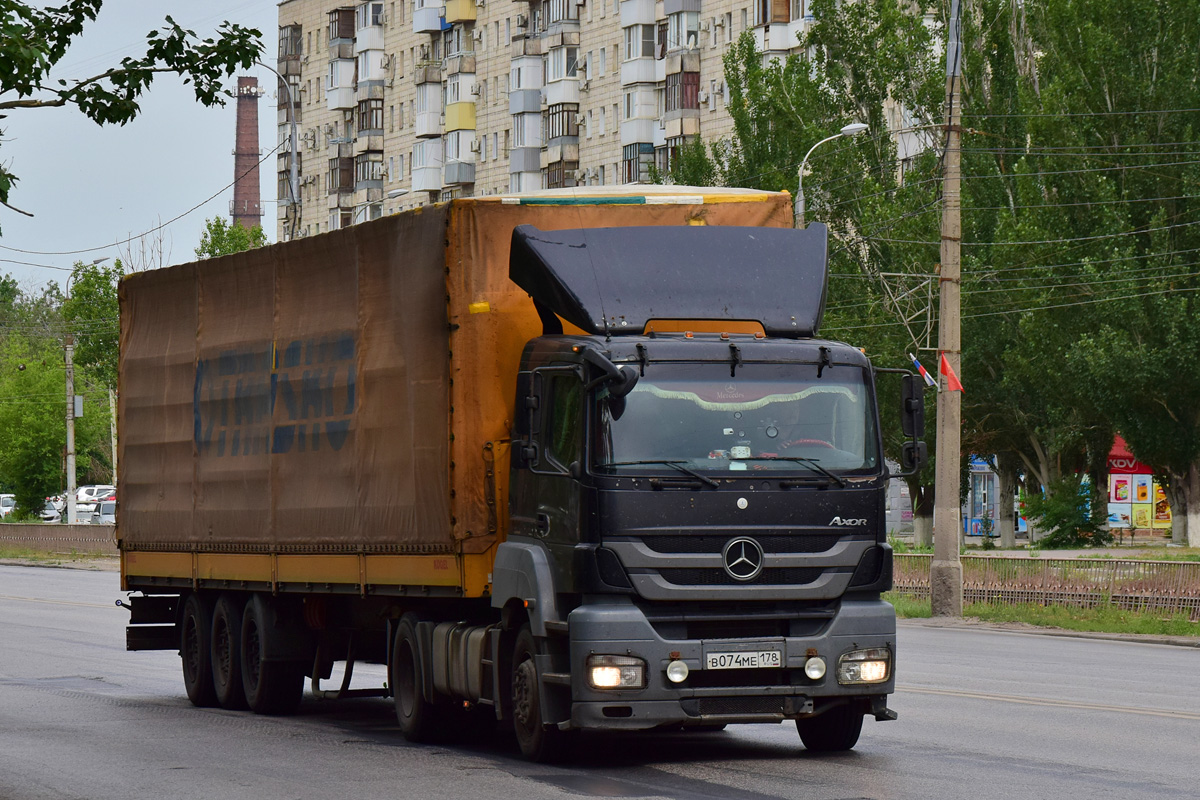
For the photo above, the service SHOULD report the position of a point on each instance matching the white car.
(86, 497)
(50, 513)
(105, 513)
(8, 502)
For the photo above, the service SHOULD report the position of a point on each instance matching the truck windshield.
(770, 417)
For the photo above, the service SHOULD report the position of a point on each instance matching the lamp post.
(294, 172)
(68, 359)
(853, 129)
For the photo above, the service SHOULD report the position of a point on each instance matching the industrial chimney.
(245, 207)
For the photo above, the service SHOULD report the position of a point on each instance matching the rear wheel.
(272, 687)
(417, 716)
(835, 730)
(538, 741)
(195, 632)
(227, 653)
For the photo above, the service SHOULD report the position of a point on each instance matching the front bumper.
(619, 627)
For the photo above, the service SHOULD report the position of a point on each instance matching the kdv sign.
(310, 381)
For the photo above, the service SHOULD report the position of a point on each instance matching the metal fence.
(1162, 586)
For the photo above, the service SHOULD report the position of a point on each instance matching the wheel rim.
(525, 694)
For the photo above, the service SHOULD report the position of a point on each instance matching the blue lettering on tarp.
(238, 393)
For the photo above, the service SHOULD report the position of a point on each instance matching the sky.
(90, 187)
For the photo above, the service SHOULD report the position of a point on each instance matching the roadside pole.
(945, 573)
(68, 355)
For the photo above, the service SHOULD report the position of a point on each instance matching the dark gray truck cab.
(697, 528)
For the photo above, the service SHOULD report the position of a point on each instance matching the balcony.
(459, 172)
(427, 179)
(428, 20)
(459, 63)
(638, 70)
(460, 11)
(428, 124)
(460, 117)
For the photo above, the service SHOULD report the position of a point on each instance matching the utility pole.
(945, 573)
(69, 354)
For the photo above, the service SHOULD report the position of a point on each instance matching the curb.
(969, 623)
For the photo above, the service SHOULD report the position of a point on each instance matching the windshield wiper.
(811, 463)
(679, 465)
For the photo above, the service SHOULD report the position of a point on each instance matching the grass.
(1105, 619)
(44, 558)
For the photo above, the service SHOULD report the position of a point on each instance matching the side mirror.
(912, 406)
(913, 456)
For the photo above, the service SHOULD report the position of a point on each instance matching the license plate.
(752, 659)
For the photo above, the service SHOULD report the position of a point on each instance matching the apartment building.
(399, 103)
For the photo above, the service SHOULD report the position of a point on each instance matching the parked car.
(105, 513)
(86, 497)
(50, 513)
(8, 502)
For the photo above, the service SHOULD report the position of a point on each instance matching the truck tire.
(835, 730)
(272, 687)
(539, 741)
(227, 653)
(418, 717)
(195, 634)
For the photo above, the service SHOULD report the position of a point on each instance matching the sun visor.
(615, 280)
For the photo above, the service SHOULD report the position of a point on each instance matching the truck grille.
(792, 576)
(818, 543)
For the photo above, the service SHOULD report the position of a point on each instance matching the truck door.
(546, 499)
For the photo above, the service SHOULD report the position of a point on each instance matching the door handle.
(542, 526)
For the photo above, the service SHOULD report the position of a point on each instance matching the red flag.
(953, 384)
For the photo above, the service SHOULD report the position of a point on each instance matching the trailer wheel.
(272, 687)
(227, 653)
(835, 730)
(195, 631)
(538, 741)
(416, 715)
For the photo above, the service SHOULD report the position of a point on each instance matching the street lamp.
(853, 129)
(294, 144)
(68, 359)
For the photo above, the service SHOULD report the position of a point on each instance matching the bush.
(1065, 512)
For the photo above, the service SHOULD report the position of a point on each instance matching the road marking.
(55, 602)
(1039, 701)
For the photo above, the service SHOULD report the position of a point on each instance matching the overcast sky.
(90, 186)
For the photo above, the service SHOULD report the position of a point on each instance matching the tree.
(220, 238)
(91, 315)
(33, 40)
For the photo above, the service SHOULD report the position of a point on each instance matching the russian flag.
(928, 378)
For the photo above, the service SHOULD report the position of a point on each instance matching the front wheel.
(538, 741)
(834, 731)
(416, 715)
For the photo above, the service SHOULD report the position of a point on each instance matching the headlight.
(814, 668)
(677, 671)
(616, 672)
(865, 666)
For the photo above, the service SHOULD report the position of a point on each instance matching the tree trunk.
(1185, 507)
(1006, 489)
(921, 497)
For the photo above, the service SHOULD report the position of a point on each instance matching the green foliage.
(34, 40)
(220, 238)
(91, 313)
(1064, 511)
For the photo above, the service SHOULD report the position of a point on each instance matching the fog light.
(865, 666)
(616, 672)
(814, 668)
(677, 672)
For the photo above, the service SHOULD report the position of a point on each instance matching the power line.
(1083, 114)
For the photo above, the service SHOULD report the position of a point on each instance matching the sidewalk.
(971, 623)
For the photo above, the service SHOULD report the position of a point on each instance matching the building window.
(370, 15)
(636, 161)
(341, 175)
(341, 24)
(683, 29)
(368, 167)
(563, 63)
(561, 174)
(563, 9)
(290, 42)
(370, 115)
(683, 91)
(639, 41)
(561, 120)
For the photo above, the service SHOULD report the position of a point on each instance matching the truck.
(565, 461)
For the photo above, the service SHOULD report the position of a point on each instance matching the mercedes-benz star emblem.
(743, 558)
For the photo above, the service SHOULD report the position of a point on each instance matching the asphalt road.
(983, 714)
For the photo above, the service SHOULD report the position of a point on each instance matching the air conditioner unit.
(585, 85)
(522, 21)
(479, 3)
(477, 35)
(720, 23)
(385, 61)
(475, 90)
(705, 25)
(702, 96)
(424, 52)
(720, 89)
(580, 174)
(580, 119)
(591, 172)
(474, 145)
